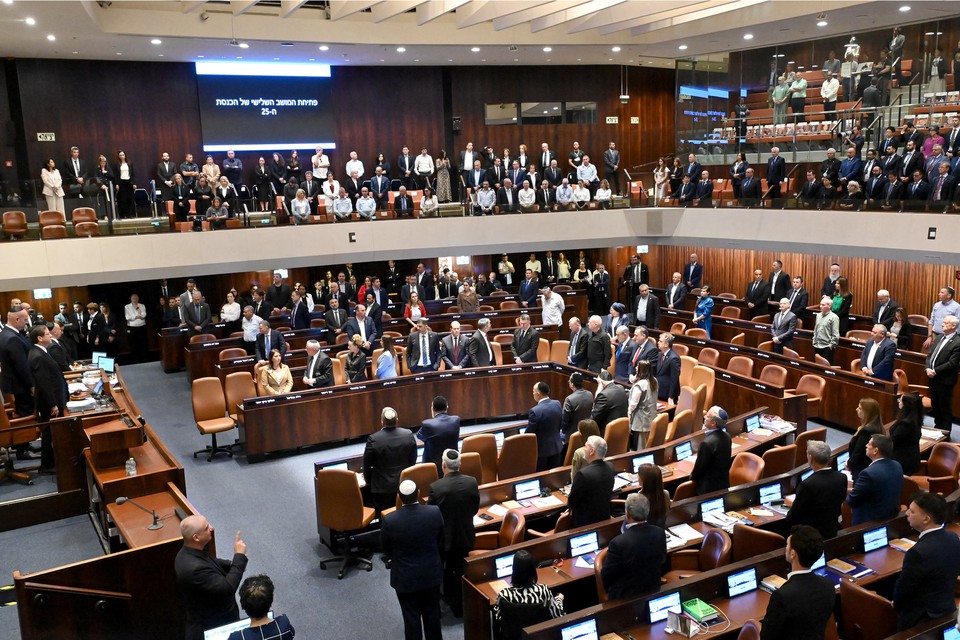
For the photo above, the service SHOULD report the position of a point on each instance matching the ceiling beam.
(343, 8)
(624, 25)
(559, 17)
(433, 10)
(624, 13)
(189, 6)
(542, 9)
(480, 11)
(693, 16)
(391, 8)
(240, 7)
(288, 7)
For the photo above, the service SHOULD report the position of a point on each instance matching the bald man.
(206, 584)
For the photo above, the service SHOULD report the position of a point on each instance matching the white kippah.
(408, 488)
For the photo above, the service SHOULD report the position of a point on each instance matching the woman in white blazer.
(52, 187)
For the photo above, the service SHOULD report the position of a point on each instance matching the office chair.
(209, 411)
(340, 512)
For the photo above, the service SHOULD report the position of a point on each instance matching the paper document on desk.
(497, 510)
(584, 561)
(361, 480)
(674, 542)
(763, 513)
(619, 483)
(549, 501)
(931, 434)
(685, 532)
(902, 544)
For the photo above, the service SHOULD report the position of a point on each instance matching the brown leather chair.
(497, 352)
(766, 346)
(509, 304)
(727, 296)
(774, 374)
(51, 218)
(53, 231)
(14, 224)
(687, 363)
(86, 229)
(543, 350)
(681, 349)
(317, 323)
(803, 439)
(823, 362)
(681, 426)
(512, 531)
(485, 445)
(687, 399)
(14, 432)
(908, 489)
(715, 551)
(730, 311)
(423, 474)
(573, 443)
(563, 287)
(231, 353)
(745, 468)
(453, 309)
(752, 541)
(209, 411)
(203, 337)
(617, 436)
(562, 524)
(738, 339)
(685, 490)
(83, 214)
(704, 376)
(697, 332)
(236, 387)
(860, 335)
(518, 456)
(503, 338)
(864, 614)
(904, 386)
(598, 563)
(339, 377)
(499, 293)
(470, 466)
(939, 472)
(559, 350)
(708, 357)
(750, 630)
(485, 307)
(677, 328)
(779, 460)
(813, 386)
(741, 365)
(340, 510)
(658, 431)
(764, 319)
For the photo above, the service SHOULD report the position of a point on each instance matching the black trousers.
(549, 462)
(826, 352)
(613, 177)
(797, 105)
(453, 578)
(421, 613)
(941, 401)
(137, 341)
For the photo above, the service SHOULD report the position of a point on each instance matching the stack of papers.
(685, 532)
(81, 405)
(497, 510)
(902, 544)
(549, 501)
(931, 434)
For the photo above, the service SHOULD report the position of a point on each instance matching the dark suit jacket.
(598, 351)
(264, 310)
(529, 291)
(610, 404)
(335, 319)
(818, 502)
(711, 472)
(412, 536)
(589, 498)
(437, 434)
(876, 493)
(388, 452)
(799, 609)
(276, 342)
(948, 361)
(889, 314)
(553, 176)
(59, 354)
(883, 360)
(576, 407)
(513, 205)
(927, 580)
(447, 350)
(405, 293)
(496, 174)
(300, 316)
(543, 420)
(322, 372)
(907, 167)
(647, 351)
(784, 285)
(799, 305)
(477, 350)
(758, 293)
(668, 376)
(623, 360)
(634, 561)
(580, 348)
(776, 170)
(207, 588)
(694, 171)
(50, 389)
(413, 349)
(692, 274)
(192, 318)
(525, 349)
(652, 319)
(676, 296)
(459, 500)
(70, 174)
(403, 205)
(750, 192)
(353, 328)
(14, 370)
(783, 329)
(704, 193)
(475, 178)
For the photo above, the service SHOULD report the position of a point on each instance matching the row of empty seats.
(53, 224)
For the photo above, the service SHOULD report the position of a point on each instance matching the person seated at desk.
(256, 598)
(519, 604)
(876, 493)
(355, 368)
(819, 498)
(711, 471)
(876, 360)
(589, 499)
(275, 378)
(635, 559)
(366, 205)
(217, 215)
(801, 607)
(586, 428)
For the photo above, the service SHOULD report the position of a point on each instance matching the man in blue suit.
(851, 168)
(364, 327)
(693, 168)
(876, 360)
(693, 272)
(704, 196)
(529, 289)
(776, 172)
(380, 188)
(876, 493)
(439, 433)
(543, 420)
(299, 313)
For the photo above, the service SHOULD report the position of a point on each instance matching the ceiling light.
(324, 47)
(682, 47)
(516, 59)
(286, 44)
(905, 8)
(30, 21)
(51, 37)
(546, 112)
(615, 49)
(156, 41)
(7, 1)
(401, 49)
(748, 36)
(416, 60)
(547, 49)
(475, 49)
(514, 118)
(450, 60)
(200, 56)
(244, 45)
(159, 55)
(822, 23)
(556, 108)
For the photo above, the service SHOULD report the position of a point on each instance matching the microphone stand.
(156, 519)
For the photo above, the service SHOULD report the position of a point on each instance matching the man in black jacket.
(388, 452)
(50, 389)
(577, 353)
(278, 293)
(635, 558)
(711, 472)
(758, 292)
(589, 499)
(525, 342)
(15, 375)
(267, 340)
(610, 403)
(319, 370)
(821, 495)
(598, 346)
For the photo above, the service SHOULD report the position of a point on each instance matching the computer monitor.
(953, 633)
(770, 493)
(222, 633)
(498, 436)
(642, 460)
(821, 563)
(753, 422)
(874, 539)
(338, 465)
(586, 630)
(710, 506)
(742, 582)
(95, 357)
(842, 460)
(419, 453)
(683, 451)
(587, 543)
(107, 364)
(658, 607)
(98, 389)
(528, 489)
(504, 566)
(806, 474)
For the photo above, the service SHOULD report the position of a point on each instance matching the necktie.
(266, 345)
(573, 345)
(456, 350)
(198, 312)
(936, 193)
(424, 361)
(76, 167)
(943, 342)
(793, 296)
(636, 356)
(313, 363)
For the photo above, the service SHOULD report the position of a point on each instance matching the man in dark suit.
(549, 270)
(57, 349)
(546, 157)
(693, 168)
(885, 310)
(363, 326)
(458, 498)
(423, 349)
(942, 186)
(776, 172)
(942, 365)
(545, 198)
(598, 346)
(686, 192)
(311, 188)
(693, 272)
(750, 190)
(783, 325)
(611, 403)
(798, 298)
(876, 360)
(589, 499)
(624, 349)
(476, 176)
(403, 204)
(704, 192)
(917, 192)
(780, 284)
(577, 353)
(525, 342)
(811, 192)
(829, 283)
(819, 498)
(15, 375)
(206, 584)
(166, 169)
(405, 163)
(676, 292)
(478, 347)
(711, 472)
(197, 315)
(507, 197)
(554, 176)
(261, 308)
(267, 340)
(636, 557)
(667, 369)
(319, 370)
(380, 188)
(924, 590)
(912, 162)
(335, 320)
(577, 406)
(387, 453)
(439, 432)
(496, 174)
(278, 293)
(634, 275)
(801, 607)
(543, 420)
(75, 173)
(876, 493)
(645, 350)
(412, 537)
(412, 286)
(299, 313)
(50, 389)
(758, 292)
(453, 348)
(646, 311)
(529, 289)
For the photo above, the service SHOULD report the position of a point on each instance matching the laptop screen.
(842, 460)
(504, 566)
(97, 390)
(742, 582)
(642, 460)
(95, 357)
(684, 451)
(711, 505)
(821, 563)
(805, 475)
(107, 364)
(753, 422)
(658, 607)
(498, 436)
(587, 543)
(339, 465)
(770, 493)
(222, 633)
(528, 489)
(874, 539)
(953, 633)
(586, 630)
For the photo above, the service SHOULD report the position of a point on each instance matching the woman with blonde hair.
(868, 410)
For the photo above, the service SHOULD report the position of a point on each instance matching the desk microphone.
(156, 519)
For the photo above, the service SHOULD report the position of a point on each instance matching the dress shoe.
(28, 455)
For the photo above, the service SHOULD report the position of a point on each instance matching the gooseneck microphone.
(156, 519)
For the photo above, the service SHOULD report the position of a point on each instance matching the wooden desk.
(131, 522)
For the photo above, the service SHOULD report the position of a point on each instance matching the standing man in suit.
(458, 498)
(704, 192)
(645, 350)
(57, 349)
(611, 167)
(393, 278)
(278, 294)
(529, 289)
(610, 403)
(15, 375)
(453, 348)
(711, 472)
(412, 537)
(546, 157)
(576, 407)
(911, 163)
(380, 188)
(577, 353)
(467, 157)
(598, 346)
(876, 493)
(776, 172)
(478, 348)
(549, 270)
(799, 298)
(693, 168)
(319, 371)
(924, 590)
(197, 315)
(387, 453)
(543, 420)
(268, 340)
(261, 308)
(779, 284)
(589, 499)
(676, 292)
(636, 557)
(525, 342)
(363, 326)
(624, 348)
(166, 169)
(74, 174)
(186, 298)
(647, 309)
(335, 320)
(876, 360)
(424, 281)
(820, 497)
(601, 289)
(438, 433)
(758, 292)
(801, 607)
(942, 366)
(412, 286)
(693, 272)
(299, 313)
(423, 349)
(206, 584)
(667, 369)
(50, 390)
(750, 192)
(633, 276)
(782, 326)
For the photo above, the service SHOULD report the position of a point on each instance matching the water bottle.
(131, 467)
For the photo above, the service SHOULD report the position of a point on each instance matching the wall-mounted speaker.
(456, 124)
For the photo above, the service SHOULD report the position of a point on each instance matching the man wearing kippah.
(711, 472)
